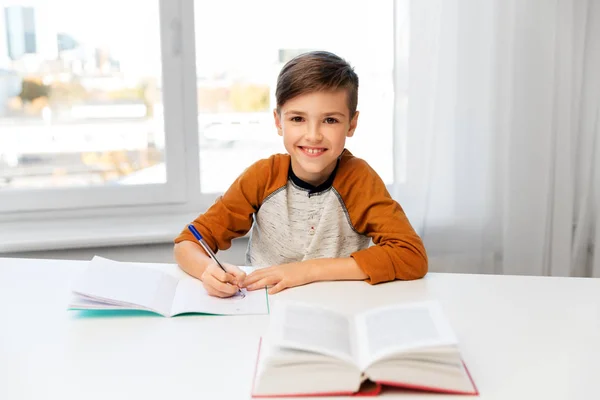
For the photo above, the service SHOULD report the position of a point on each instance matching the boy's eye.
(296, 119)
(331, 120)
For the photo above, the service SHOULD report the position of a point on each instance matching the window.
(100, 108)
(82, 115)
(239, 57)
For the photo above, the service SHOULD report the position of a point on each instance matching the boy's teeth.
(313, 151)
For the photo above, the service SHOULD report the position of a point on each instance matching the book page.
(310, 328)
(191, 297)
(127, 284)
(399, 328)
(82, 303)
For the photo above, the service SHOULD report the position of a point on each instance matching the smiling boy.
(314, 211)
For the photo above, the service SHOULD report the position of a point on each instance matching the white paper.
(192, 297)
(306, 327)
(81, 303)
(398, 328)
(156, 287)
(128, 284)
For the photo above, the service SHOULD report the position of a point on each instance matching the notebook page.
(82, 303)
(191, 297)
(122, 282)
(404, 327)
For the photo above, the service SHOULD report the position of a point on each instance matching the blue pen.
(209, 251)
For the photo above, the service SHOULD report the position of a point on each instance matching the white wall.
(159, 253)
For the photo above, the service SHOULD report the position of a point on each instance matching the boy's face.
(314, 127)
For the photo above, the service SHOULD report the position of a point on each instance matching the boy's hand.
(280, 277)
(218, 283)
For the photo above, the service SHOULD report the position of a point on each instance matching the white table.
(521, 337)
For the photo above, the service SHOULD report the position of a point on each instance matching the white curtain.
(503, 135)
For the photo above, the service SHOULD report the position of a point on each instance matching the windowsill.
(90, 232)
(61, 232)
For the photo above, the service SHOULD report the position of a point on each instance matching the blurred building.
(20, 31)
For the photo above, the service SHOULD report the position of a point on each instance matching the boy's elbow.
(415, 267)
(421, 262)
(421, 267)
(384, 264)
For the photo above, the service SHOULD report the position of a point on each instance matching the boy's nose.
(314, 134)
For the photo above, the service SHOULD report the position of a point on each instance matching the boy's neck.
(312, 189)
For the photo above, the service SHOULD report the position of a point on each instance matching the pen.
(208, 250)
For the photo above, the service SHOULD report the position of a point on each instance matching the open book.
(310, 351)
(160, 288)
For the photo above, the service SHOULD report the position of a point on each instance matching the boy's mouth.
(312, 151)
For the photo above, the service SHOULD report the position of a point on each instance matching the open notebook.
(160, 288)
(311, 351)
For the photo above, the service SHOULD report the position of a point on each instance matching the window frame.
(181, 196)
(175, 59)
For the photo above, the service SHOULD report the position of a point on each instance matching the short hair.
(314, 72)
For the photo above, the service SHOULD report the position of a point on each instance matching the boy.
(313, 211)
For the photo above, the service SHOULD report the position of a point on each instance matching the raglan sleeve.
(232, 214)
(398, 251)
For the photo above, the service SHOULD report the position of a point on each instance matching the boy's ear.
(353, 124)
(277, 119)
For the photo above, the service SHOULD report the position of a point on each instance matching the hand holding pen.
(219, 279)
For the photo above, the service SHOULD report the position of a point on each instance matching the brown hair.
(317, 71)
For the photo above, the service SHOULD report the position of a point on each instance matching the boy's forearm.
(336, 269)
(191, 258)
